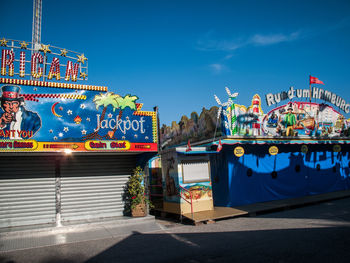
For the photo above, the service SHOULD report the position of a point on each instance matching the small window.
(194, 172)
(297, 168)
(334, 169)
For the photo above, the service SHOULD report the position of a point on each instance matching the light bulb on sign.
(68, 151)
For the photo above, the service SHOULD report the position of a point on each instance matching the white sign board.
(193, 172)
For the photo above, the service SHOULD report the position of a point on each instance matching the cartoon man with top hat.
(15, 117)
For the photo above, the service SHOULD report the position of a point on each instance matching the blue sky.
(178, 54)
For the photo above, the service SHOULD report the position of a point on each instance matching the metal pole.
(158, 128)
(58, 190)
(310, 89)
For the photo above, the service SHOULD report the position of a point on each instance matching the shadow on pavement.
(327, 244)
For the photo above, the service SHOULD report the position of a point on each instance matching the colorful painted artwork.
(304, 119)
(197, 127)
(44, 108)
(41, 118)
(202, 191)
(170, 180)
(294, 119)
(247, 119)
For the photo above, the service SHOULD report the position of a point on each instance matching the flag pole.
(310, 88)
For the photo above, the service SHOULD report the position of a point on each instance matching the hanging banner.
(39, 116)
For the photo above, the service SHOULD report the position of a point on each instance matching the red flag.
(188, 149)
(314, 80)
(219, 147)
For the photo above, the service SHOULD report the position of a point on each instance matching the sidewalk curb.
(8, 233)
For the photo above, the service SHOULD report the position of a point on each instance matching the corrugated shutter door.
(93, 186)
(27, 190)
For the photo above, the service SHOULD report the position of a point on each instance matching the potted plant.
(137, 198)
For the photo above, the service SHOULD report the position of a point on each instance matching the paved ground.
(318, 233)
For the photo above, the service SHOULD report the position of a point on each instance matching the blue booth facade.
(258, 176)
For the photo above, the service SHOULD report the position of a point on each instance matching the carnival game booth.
(203, 183)
(67, 149)
(297, 149)
(186, 180)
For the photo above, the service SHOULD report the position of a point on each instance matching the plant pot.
(139, 211)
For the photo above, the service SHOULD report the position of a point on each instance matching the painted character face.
(11, 106)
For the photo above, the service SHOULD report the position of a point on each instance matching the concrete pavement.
(31, 237)
(317, 233)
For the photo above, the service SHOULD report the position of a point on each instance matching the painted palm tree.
(104, 100)
(124, 102)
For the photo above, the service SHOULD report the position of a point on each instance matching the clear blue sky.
(177, 54)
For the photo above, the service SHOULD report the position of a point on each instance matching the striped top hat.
(10, 92)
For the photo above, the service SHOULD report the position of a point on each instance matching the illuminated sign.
(107, 145)
(9, 145)
(38, 118)
(42, 110)
(21, 59)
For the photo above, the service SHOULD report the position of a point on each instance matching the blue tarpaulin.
(258, 176)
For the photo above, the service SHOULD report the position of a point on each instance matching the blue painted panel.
(296, 174)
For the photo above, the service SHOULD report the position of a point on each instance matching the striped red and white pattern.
(52, 84)
(55, 69)
(36, 72)
(22, 64)
(256, 126)
(72, 71)
(33, 97)
(7, 60)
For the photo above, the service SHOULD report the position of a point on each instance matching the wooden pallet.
(210, 216)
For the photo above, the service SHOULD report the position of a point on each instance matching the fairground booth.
(67, 149)
(298, 148)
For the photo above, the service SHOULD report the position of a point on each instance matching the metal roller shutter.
(27, 190)
(93, 186)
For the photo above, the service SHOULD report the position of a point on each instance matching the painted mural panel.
(304, 119)
(170, 177)
(199, 191)
(195, 179)
(37, 117)
(43, 108)
(293, 119)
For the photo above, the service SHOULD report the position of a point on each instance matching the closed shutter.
(27, 190)
(93, 186)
